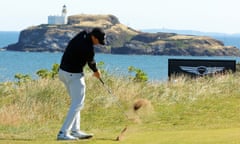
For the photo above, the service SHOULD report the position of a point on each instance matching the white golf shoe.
(65, 136)
(81, 135)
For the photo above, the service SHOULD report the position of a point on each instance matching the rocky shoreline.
(120, 39)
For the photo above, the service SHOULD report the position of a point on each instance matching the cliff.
(120, 39)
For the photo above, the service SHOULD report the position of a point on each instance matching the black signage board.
(199, 67)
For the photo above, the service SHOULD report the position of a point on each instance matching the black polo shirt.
(78, 53)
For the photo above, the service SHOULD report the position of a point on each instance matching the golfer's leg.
(64, 77)
(76, 123)
(75, 89)
(80, 101)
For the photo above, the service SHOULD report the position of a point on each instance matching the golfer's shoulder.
(79, 38)
(82, 34)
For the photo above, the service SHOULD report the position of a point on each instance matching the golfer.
(79, 52)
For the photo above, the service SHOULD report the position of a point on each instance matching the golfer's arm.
(92, 65)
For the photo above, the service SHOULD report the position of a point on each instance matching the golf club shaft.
(107, 88)
(110, 92)
(120, 107)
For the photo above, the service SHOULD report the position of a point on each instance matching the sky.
(202, 15)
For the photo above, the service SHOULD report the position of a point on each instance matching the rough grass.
(183, 110)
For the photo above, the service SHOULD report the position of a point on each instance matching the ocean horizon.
(13, 62)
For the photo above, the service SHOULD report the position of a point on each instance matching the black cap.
(99, 34)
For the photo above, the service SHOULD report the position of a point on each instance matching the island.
(120, 39)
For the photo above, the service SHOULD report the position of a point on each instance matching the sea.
(156, 67)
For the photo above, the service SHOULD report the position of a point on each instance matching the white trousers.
(75, 84)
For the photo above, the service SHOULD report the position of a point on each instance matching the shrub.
(22, 78)
(44, 73)
(140, 75)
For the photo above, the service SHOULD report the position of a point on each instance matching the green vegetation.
(140, 76)
(44, 73)
(181, 111)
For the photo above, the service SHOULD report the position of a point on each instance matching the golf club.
(110, 92)
(120, 107)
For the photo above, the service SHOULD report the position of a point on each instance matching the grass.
(181, 111)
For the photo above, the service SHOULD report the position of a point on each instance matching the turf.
(183, 111)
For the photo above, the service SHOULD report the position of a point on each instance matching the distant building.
(59, 19)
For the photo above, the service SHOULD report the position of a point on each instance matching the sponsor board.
(199, 67)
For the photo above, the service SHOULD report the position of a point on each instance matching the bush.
(44, 73)
(22, 78)
(140, 75)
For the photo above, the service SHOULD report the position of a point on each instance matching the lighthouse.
(64, 14)
(59, 19)
(64, 11)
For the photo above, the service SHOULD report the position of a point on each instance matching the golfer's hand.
(97, 74)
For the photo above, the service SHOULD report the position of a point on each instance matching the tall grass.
(39, 106)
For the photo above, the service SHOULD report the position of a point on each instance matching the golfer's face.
(95, 40)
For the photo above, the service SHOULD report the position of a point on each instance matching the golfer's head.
(99, 35)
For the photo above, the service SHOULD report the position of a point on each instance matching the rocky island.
(120, 39)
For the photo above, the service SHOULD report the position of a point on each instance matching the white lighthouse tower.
(64, 14)
(59, 19)
(64, 11)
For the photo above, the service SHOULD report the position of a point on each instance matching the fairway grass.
(136, 135)
(213, 136)
(183, 111)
